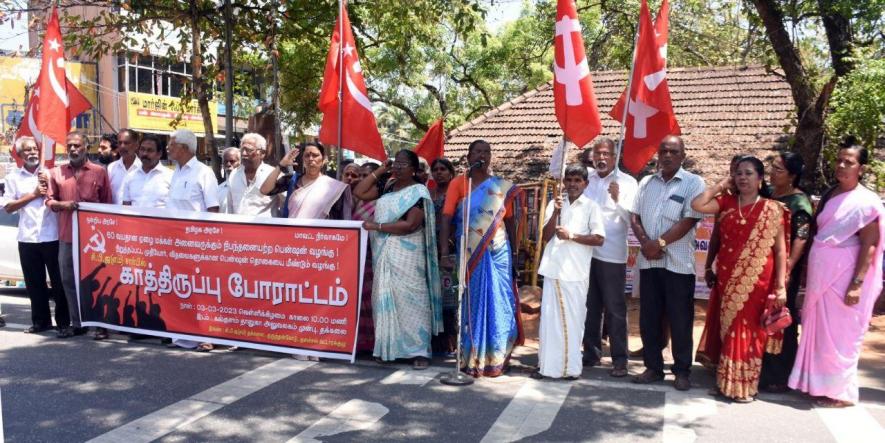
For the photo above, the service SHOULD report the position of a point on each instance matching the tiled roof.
(722, 111)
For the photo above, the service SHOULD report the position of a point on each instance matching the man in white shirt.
(230, 160)
(244, 185)
(25, 192)
(127, 144)
(571, 229)
(148, 186)
(614, 191)
(193, 188)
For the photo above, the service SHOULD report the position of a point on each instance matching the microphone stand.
(456, 377)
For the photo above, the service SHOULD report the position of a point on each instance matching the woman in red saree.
(751, 264)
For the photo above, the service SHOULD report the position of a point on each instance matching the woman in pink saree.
(844, 280)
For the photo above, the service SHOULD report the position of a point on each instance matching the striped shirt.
(660, 205)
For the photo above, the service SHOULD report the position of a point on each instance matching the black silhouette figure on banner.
(155, 317)
(88, 287)
(101, 308)
(129, 310)
(113, 307)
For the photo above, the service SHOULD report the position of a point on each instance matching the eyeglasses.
(249, 151)
(400, 165)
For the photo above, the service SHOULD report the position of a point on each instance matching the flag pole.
(626, 103)
(340, 77)
(456, 377)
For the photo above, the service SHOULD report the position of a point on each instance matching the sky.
(14, 38)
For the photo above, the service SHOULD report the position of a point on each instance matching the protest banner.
(274, 284)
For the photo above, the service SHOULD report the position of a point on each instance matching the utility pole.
(228, 75)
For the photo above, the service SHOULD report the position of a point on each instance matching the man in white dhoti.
(572, 227)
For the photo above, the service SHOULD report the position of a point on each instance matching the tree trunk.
(809, 138)
(839, 37)
(200, 91)
(810, 106)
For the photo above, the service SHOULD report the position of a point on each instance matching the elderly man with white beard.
(25, 192)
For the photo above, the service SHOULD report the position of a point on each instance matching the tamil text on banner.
(274, 284)
(148, 112)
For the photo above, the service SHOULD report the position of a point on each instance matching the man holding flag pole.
(564, 297)
(53, 104)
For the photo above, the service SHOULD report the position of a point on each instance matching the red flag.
(650, 115)
(28, 126)
(572, 85)
(431, 145)
(662, 29)
(359, 131)
(53, 119)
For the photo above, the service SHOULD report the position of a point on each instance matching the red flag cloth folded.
(650, 115)
(432, 144)
(28, 126)
(359, 131)
(573, 94)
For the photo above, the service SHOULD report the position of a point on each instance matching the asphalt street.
(133, 391)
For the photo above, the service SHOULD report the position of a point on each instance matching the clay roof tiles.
(722, 111)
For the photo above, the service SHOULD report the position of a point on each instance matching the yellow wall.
(15, 72)
(148, 112)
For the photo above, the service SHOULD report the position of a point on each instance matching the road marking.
(354, 415)
(681, 410)
(876, 406)
(851, 424)
(182, 413)
(17, 326)
(530, 412)
(410, 377)
(18, 301)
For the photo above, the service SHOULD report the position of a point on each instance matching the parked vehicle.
(10, 266)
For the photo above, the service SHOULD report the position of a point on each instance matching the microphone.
(477, 165)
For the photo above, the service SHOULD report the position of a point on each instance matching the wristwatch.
(662, 243)
(856, 281)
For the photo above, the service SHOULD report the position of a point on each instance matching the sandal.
(827, 402)
(420, 363)
(743, 400)
(537, 375)
(204, 347)
(100, 334)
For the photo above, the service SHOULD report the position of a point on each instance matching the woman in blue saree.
(490, 325)
(406, 296)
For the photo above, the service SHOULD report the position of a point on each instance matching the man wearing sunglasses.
(78, 181)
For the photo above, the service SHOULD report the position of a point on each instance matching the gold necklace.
(743, 220)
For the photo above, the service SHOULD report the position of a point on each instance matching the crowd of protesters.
(768, 242)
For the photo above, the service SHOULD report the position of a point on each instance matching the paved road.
(82, 390)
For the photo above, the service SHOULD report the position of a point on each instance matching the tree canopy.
(424, 59)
